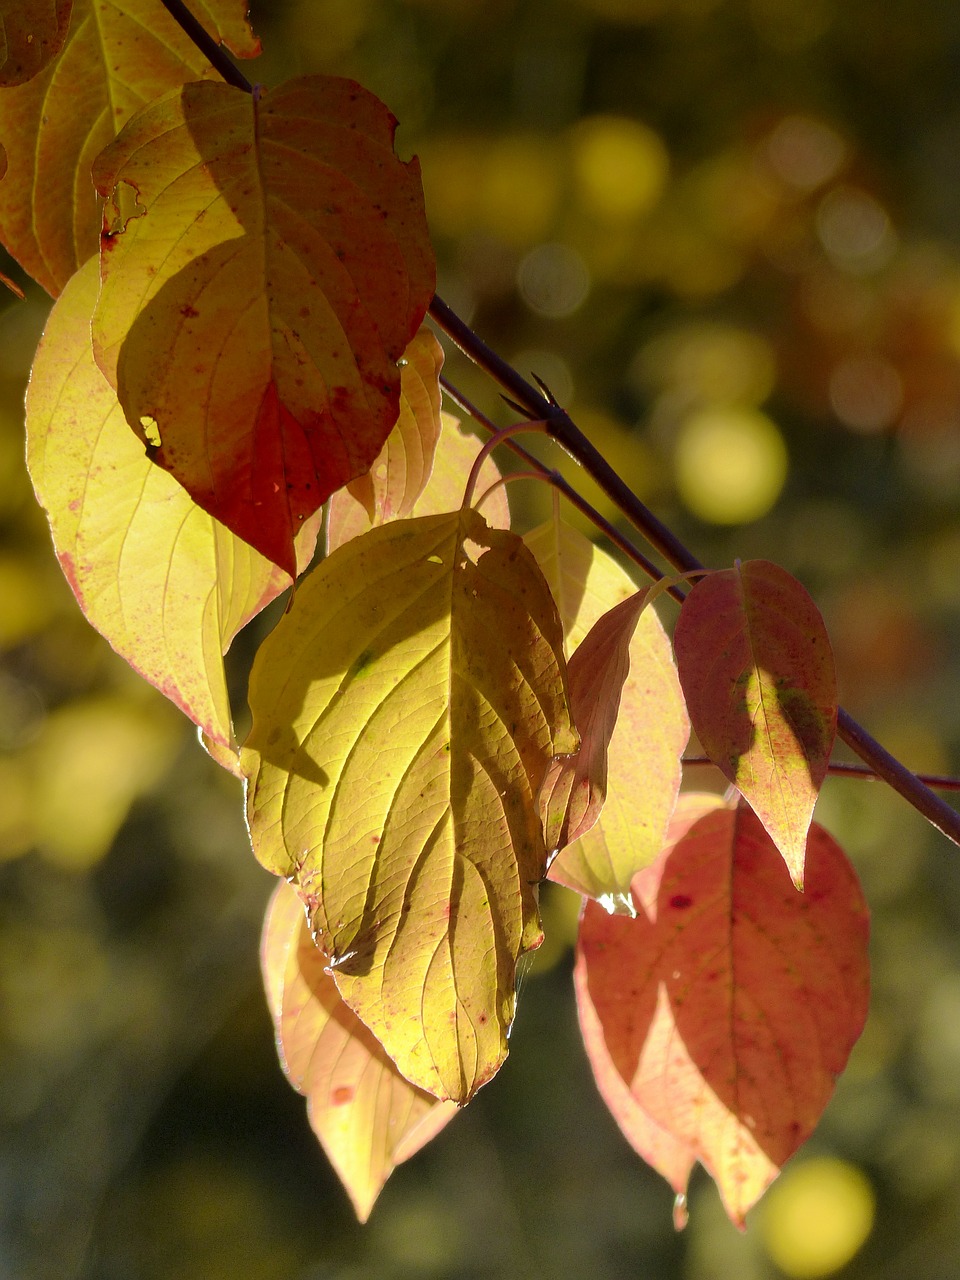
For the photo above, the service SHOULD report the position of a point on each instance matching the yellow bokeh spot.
(816, 1217)
(620, 167)
(507, 187)
(731, 464)
(92, 760)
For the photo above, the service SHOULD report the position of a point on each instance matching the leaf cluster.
(236, 392)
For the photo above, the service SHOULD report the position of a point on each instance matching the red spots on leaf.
(343, 1094)
(681, 901)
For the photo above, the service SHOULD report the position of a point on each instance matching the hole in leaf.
(151, 431)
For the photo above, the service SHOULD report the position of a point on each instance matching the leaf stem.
(501, 435)
(213, 52)
(563, 486)
(562, 429)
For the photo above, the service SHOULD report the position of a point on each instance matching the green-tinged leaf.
(405, 710)
(390, 489)
(757, 670)
(254, 347)
(455, 454)
(118, 55)
(729, 1006)
(643, 757)
(166, 584)
(32, 33)
(575, 787)
(367, 1116)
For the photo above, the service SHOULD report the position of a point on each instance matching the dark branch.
(213, 52)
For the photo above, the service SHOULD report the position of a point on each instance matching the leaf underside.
(745, 997)
(116, 58)
(757, 671)
(405, 711)
(254, 346)
(166, 584)
(367, 1116)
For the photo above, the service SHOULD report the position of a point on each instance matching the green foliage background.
(793, 253)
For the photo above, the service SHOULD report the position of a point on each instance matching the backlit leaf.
(254, 346)
(757, 670)
(391, 487)
(32, 32)
(367, 1116)
(405, 710)
(575, 786)
(166, 584)
(454, 456)
(744, 998)
(643, 758)
(118, 55)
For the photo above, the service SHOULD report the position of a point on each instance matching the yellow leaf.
(455, 454)
(405, 710)
(258, 290)
(166, 584)
(117, 56)
(643, 759)
(400, 472)
(367, 1116)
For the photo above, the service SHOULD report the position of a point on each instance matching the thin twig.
(862, 772)
(610, 531)
(566, 433)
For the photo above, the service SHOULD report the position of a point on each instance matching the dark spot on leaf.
(681, 901)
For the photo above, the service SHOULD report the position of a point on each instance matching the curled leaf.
(643, 755)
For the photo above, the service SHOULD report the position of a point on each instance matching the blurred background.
(726, 233)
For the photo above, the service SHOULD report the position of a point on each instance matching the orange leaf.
(254, 346)
(166, 584)
(454, 456)
(575, 787)
(32, 33)
(391, 487)
(744, 997)
(757, 671)
(117, 56)
(643, 760)
(367, 1116)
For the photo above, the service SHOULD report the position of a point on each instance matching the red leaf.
(729, 1006)
(254, 345)
(757, 672)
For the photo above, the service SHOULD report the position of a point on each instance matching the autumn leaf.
(254, 346)
(757, 671)
(166, 584)
(454, 456)
(118, 55)
(575, 787)
(32, 33)
(367, 1116)
(399, 474)
(643, 757)
(745, 997)
(404, 713)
